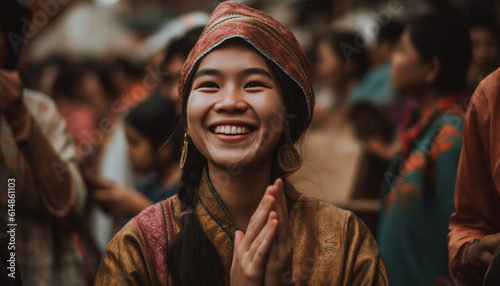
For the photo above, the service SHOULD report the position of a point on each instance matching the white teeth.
(231, 130)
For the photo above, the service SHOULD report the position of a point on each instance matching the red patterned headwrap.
(268, 36)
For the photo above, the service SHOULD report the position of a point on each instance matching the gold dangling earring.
(288, 156)
(184, 152)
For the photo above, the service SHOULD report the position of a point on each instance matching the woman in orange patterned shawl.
(246, 99)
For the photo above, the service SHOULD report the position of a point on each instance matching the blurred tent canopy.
(137, 29)
(87, 30)
(171, 30)
(83, 31)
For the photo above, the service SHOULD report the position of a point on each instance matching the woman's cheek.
(196, 107)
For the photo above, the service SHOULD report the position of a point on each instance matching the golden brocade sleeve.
(124, 261)
(363, 262)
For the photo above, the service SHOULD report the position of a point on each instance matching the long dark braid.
(192, 258)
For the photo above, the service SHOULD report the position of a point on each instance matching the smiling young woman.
(246, 99)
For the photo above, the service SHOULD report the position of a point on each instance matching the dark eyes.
(253, 84)
(208, 85)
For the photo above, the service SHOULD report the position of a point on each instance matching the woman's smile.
(235, 107)
(232, 130)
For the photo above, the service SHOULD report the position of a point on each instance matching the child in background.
(147, 126)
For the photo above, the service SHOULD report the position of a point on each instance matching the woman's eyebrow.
(203, 72)
(245, 72)
(252, 71)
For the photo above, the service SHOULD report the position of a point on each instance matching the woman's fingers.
(282, 211)
(259, 218)
(238, 238)
(258, 227)
(252, 250)
(281, 252)
(262, 252)
(248, 269)
(258, 240)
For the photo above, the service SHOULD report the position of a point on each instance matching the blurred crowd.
(110, 123)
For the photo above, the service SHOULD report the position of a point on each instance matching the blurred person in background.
(69, 95)
(99, 89)
(176, 54)
(52, 246)
(128, 79)
(484, 31)
(475, 226)
(375, 87)
(332, 152)
(369, 122)
(148, 126)
(41, 75)
(377, 132)
(373, 103)
(113, 163)
(387, 41)
(430, 66)
(341, 64)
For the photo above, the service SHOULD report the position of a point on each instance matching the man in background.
(46, 193)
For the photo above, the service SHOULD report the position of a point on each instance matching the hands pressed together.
(264, 253)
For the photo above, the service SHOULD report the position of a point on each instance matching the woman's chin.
(236, 163)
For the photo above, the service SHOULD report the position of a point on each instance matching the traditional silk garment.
(417, 196)
(477, 193)
(330, 246)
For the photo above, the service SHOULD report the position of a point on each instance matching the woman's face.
(409, 74)
(140, 151)
(484, 48)
(235, 108)
(171, 83)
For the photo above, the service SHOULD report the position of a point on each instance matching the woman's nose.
(231, 101)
